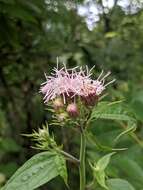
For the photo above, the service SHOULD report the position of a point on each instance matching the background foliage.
(32, 34)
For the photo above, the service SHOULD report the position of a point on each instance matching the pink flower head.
(59, 84)
(70, 83)
(92, 89)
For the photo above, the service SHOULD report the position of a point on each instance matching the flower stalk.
(82, 161)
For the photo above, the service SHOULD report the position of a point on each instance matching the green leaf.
(117, 112)
(136, 104)
(119, 184)
(130, 128)
(61, 166)
(99, 170)
(130, 168)
(104, 161)
(100, 177)
(37, 171)
(94, 141)
(113, 111)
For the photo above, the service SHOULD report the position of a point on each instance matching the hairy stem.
(82, 161)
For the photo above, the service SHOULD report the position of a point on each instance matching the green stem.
(82, 161)
(70, 157)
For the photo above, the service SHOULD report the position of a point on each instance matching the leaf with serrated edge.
(114, 111)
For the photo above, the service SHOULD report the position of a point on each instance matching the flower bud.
(58, 104)
(72, 110)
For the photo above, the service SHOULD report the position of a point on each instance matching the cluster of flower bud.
(71, 109)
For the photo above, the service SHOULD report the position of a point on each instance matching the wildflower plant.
(74, 98)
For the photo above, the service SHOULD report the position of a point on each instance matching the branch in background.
(113, 8)
(106, 19)
(106, 16)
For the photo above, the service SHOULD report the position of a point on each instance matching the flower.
(59, 84)
(92, 89)
(72, 83)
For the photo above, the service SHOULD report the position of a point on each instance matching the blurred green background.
(104, 33)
